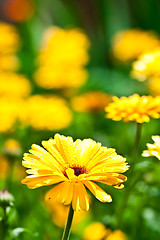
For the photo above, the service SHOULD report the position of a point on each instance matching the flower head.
(129, 44)
(46, 112)
(154, 85)
(98, 231)
(62, 59)
(74, 165)
(153, 149)
(14, 85)
(147, 65)
(134, 108)
(9, 39)
(91, 102)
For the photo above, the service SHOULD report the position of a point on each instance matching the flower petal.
(55, 192)
(98, 192)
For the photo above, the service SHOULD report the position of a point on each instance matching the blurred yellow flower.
(153, 149)
(46, 112)
(62, 62)
(9, 38)
(129, 44)
(9, 110)
(14, 85)
(8, 62)
(12, 146)
(154, 85)
(133, 108)
(4, 167)
(74, 165)
(116, 235)
(90, 102)
(147, 65)
(60, 212)
(96, 231)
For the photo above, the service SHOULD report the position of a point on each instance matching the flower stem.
(132, 180)
(67, 228)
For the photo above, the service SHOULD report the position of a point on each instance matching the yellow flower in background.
(8, 62)
(4, 167)
(129, 44)
(117, 235)
(134, 108)
(90, 102)
(147, 65)
(74, 166)
(61, 77)
(12, 146)
(9, 110)
(9, 38)
(153, 149)
(154, 85)
(60, 212)
(96, 231)
(13, 85)
(62, 59)
(46, 112)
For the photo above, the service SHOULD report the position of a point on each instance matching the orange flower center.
(77, 170)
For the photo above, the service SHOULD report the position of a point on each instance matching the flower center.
(77, 170)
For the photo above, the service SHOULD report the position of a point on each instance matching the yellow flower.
(9, 110)
(62, 62)
(74, 165)
(153, 149)
(4, 167)
(14, 85)
(133, 108)
(116, 235)
(96, 231)
(154, 85)
(91, 101)
(129, 44)
(60, 212)
(147, 65)
(9, 39)
(12, 146)
(8, 62)
(46, 112)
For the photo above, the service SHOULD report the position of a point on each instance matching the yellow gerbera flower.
(74, 165)
(129, 44)
(153, 149)
(147, 65)
(134, 108)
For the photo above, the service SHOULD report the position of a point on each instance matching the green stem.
(132, 180)
(67, 228)
(4, 224)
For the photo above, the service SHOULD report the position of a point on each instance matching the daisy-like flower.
(147, 65)
(129, 44)
(153, 149)
(134, 108)
(74, 166)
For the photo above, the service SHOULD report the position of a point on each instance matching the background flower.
(153, 149)
(133, 108)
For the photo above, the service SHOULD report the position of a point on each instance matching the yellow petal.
(35, 181)
(98, 192)
(55, 192)
(66, 194)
